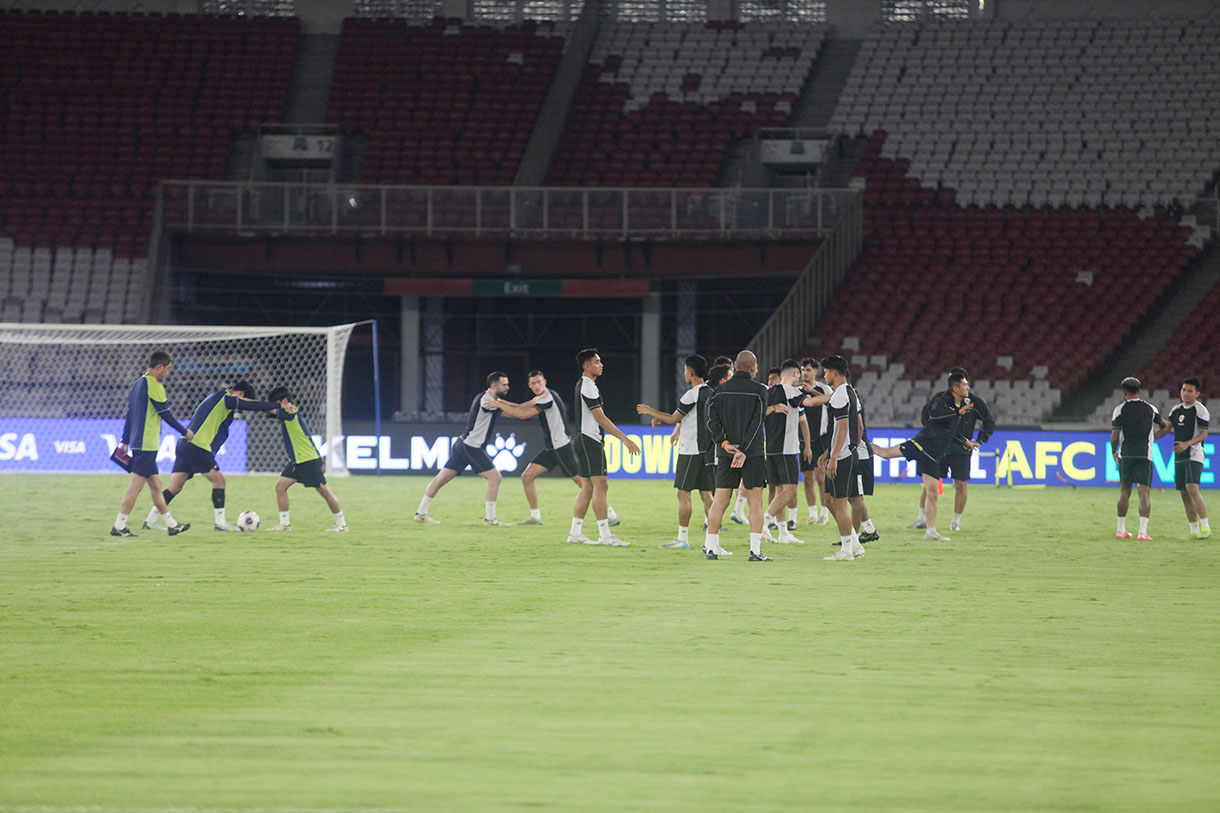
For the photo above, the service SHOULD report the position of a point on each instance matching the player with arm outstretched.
(693, 473)
(591, 455)
(210, 425)
(305, 462)
(147, 406)
(558, 450)
(786, 427)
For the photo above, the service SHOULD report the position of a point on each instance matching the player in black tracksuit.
(938, 436)
(735, 418)
(957, 460)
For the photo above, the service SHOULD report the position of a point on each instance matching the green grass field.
(1031, 663)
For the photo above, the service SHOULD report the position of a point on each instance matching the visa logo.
(69, 447)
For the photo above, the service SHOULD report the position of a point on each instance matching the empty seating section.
(1075, 112)
(1193, 350)
(660, 102)
(442, 103)
(94, 111)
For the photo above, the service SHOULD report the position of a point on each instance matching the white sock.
(603, 528)
(489, 510)
(683, 533)
(957, 518)
(855, 542)
(825, 513)
(168, 519)
(740, 508)
(152, 515)
(711, 541)
(284, 519)
(868, 527)
(339, 520)
(120, 521)
(220, 515)
(845, 541)
(932, 530)
(1143, 526)
(577, 524)
(1194, 527)
(1203, 524)
(792, 515)
(536, 513)
(611, 514)
(813, 512)
(768, 520)
(1122, 525)
(423, 505)
(923, 515)
(756, 544)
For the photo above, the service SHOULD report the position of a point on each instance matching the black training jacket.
(736, 413)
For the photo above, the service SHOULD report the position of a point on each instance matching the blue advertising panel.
(85, 445)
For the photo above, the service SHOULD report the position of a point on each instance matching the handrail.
(244, 207)
(788, 329)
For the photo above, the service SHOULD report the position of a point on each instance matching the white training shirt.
(590, 399)
(554, 422)
(792, 421)
(688, 430)
(480, 421)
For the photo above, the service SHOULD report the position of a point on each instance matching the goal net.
(63, 390)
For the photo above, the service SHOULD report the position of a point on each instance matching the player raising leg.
(305, 463)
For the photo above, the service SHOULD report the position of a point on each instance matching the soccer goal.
(63, 390)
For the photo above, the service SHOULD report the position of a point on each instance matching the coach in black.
(735, 419)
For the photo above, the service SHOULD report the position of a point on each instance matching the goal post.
(63, 390)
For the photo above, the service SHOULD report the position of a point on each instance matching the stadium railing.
(532, 212)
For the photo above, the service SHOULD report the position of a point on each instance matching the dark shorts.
(694, 474)
(563, 458)
(1187, 472)
(590, 457)
(310, 473)
(924, 462)
(811, 464)
(864, 468)
(753, 474)
(1136, 471)
(463, 454)
(844, 484)
(783, 469)
(957, 465)
(144, 464)
(191, 460)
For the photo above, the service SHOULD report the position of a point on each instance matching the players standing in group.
(812, 469)
(210, 427)
(694, 470)
(842, 480)
(787, 433)
(591, 454)
(1189, 423)
(147, 406)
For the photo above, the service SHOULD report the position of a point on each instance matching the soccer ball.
(248, 521)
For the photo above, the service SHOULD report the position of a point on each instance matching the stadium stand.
(660, 102)
(96, 109)
(445, 102)
(1012, 170)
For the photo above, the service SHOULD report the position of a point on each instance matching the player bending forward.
(210, 423)
(305, 466)
(1189, 420)
(147, 406)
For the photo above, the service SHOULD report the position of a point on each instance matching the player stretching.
(735, 419)
(693, 472)
(146, 408)
(210, 423)
(557, 449)
(787, 433)
(1189, 420)
(468, 451)
(811, 469)
(591, 453)
(842, 480)
(1135, 421)
(929, 447)
(305, 463)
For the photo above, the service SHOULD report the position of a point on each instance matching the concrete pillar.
(434, 354)
(686, 337)
(409, 363)
(650, 349)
